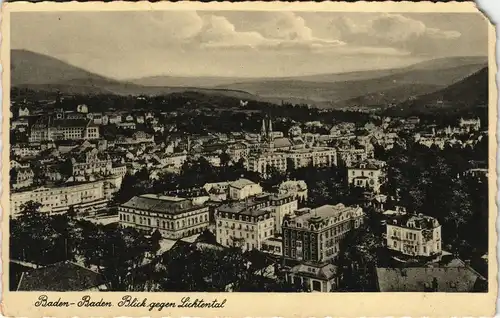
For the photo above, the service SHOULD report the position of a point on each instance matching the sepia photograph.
(249, 151)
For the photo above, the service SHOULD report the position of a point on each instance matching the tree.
(273, 177)
(13, 176)
(32, 237)
(358, 258)
(224, 159)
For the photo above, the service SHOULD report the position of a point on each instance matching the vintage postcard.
(248, 160)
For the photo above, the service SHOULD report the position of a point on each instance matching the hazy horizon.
(227, 44)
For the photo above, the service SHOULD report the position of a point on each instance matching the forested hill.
(469, 94)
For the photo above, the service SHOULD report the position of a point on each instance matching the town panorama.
(315, 174)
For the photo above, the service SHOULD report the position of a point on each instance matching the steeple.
(270, 127)
(263, 129)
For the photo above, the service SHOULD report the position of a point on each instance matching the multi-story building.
(293, 158)
(173, 217)
(245, 224)
(316, 235)
(63, 129)
(470, 124)
(119, 170)
(238, 151)
(260, 163)
(21, 178)
(349, 156)
(282, 205)
(414, 235)
(90, 161)
(316, 156)
(83, 197)
(26, 150)
(243, 188)
(368, 174)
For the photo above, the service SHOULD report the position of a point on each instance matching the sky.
(126, 45)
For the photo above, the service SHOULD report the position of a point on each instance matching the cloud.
(280, 32)
(394, 30)
(128, 44)
(284, 26)
(218, 32)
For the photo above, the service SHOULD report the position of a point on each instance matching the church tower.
(270, 129)
(263, 129)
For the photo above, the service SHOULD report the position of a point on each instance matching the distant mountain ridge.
(40, 72)
(211, 81)
(354, 89)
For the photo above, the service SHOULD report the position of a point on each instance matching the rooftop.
(248, 207)
(419, 221)
(326, 212)
(370, 164)
(241, 183)
(420, 279)
(79, 122)
(163, 197)
(282, 142)
(323, 271)
(70, 277)
(159, 204)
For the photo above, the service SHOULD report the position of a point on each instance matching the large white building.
(242, 189)
(84, 197)
(249, 223)
(350, 156)
(63, 129)
(368, 174)
(173, 217)
(90, 161)
(293, 158)
(414, 235)
(316, 156)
